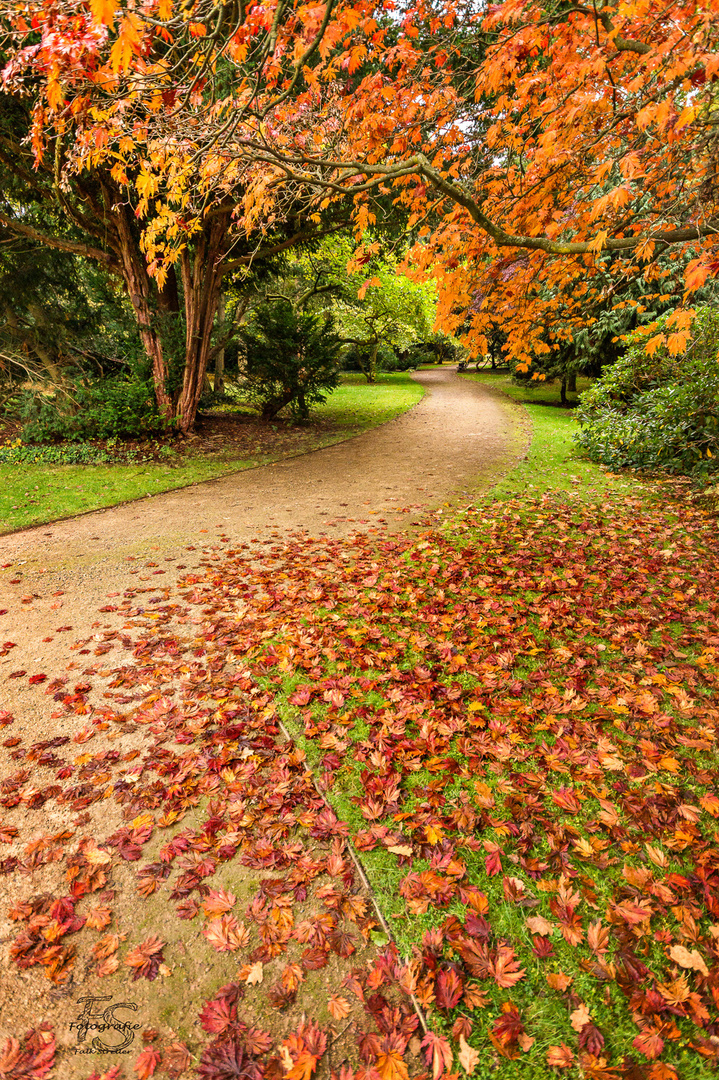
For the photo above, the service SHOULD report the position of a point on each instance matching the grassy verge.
(533, 392)
(553, 462)
(31, 494)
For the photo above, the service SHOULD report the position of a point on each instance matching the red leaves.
(448, 988)
(146, 1063)
(226, 934)
(218, 1015)
(31, 1059)
(504, 967)
(437, 1053)
(146, 958)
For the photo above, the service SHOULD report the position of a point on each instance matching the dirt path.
(74, 603)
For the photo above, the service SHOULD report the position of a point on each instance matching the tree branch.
(89, 252)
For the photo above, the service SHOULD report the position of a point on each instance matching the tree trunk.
(141, 288)
(563, 390)
(220, 358)
(371, 372)
(201, 282)
(572, 383)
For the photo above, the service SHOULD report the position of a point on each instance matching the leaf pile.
(516, 717)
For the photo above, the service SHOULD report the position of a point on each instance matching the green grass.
(36, 494)
(547, 392)
(553, 462)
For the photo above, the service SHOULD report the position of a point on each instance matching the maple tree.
(542, 156)
(101, 198)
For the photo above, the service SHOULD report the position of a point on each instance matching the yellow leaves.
(127, 44)
(103, 12)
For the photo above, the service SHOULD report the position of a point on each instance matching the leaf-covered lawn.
(515, 717)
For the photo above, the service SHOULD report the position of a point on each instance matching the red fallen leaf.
(437, 1053)
(146, 1063)
(304, 1046)
(146, 958)
(32, 1059)
(111, 1074)
(36, 679)
(217, 902)
(187, 908)
(315, 959)
(504, 968)
(217, 1016)
(301, 696)
(6, 718)
(493, 863)
(649, 1043)
(507, 1030)
(227, 1059)
(258, 1041)
(225, 933)
(16, 674)
(448, 988)
(565, 799)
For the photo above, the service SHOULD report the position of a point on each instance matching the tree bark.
(201, 283)
(220, 358)
(140, 288)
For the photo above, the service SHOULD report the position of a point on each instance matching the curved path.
(459, 438)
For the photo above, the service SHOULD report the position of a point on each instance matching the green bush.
(658, 412)
(292, 359)
(99, 409)
(18, 453)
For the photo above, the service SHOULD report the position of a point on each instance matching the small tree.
(389, 310)
(292, 358)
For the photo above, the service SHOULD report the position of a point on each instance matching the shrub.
(659, 411)
(98, 409)
(291, 361)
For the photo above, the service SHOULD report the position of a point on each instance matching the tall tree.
(96, 194)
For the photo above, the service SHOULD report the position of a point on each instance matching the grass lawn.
(515, 712)
(553, 462)
(32, 494)
(533, 392)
